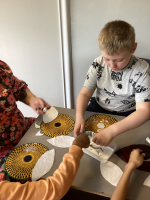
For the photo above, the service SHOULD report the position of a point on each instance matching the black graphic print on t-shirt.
(140, 89)
(132, 105)
(87, 76)
(138, 74)
(116, 75)
(112, 94)
(99, 69)
(146, 100)
(95, 64)
(132, 96)
(97, 98)
(125, 102)
(119, 86)
(133, 63)
(99, 72)
(132, 81)
(107, 101)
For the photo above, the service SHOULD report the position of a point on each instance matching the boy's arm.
(82, 102)
(54, 187)
(134, 120)
(136, 159)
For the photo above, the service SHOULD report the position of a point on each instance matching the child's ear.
(134, 48)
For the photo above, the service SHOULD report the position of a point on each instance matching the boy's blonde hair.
(116, 36)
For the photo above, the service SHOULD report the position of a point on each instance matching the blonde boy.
(121, 81)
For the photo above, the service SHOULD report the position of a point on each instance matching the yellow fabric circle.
(22, 160)
(91, 123)
(62, 125)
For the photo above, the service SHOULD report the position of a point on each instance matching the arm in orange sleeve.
(52, 188)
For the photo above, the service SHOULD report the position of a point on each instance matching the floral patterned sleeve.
(13, 125)
(10, 81)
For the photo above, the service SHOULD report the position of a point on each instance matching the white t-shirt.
(119, 91)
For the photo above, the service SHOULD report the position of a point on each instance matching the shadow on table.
(74, 194)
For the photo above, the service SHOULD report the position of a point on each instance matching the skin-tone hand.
(36, 103)
(104, 137)
(82, 141)
(79, 126)
(134, 120)
(82, 102)
(136, 158)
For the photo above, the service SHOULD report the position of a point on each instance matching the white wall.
(30, 45)
(30, 40)
(87, 19)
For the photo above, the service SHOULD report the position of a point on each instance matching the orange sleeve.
(52, 188)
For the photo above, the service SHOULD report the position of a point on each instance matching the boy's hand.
(136, 158)
(104, 137)
(82, 141)
(79, 126)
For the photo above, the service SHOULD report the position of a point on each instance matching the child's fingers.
(82, 129)
(96, 141)
(76, 132)
(135, 151)
(143, 154)
(140, 152)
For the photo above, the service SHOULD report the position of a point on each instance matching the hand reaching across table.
(135, 160)
(104, 137)
(79, 126)
(53, 187)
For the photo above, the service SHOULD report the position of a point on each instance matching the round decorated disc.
(62, 125)
(22, 160)
(98, 122)
(125, 152)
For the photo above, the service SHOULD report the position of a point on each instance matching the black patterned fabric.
(125, 152)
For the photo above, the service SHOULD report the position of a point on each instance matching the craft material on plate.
(39, 133)
(44, 109)
(98, 122)
(99, 152)
(101, 125)
(62, 125)
(61, 141)
(22, 160)
(125, 152)
(147, 181)
(43, 165)
(111, 172)
(50, 115)
(37, 125)
(148, 140)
